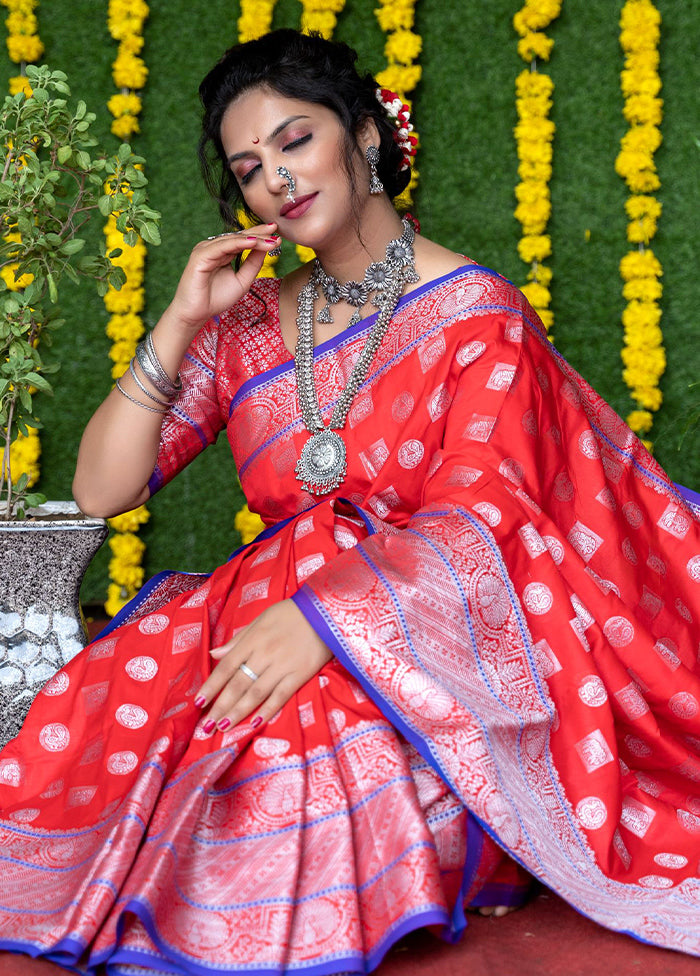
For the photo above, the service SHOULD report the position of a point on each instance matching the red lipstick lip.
(293, 205)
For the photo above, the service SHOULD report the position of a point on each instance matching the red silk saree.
(511, 588)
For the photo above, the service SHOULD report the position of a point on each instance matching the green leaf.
(150, 233)
(104, 205)
(80, 109)
(64, 154)
(124, 153)
(53, 290)
(25, 399)
(39, 382)
(71, 273)
(34, 498)
(72, 246)
(32, 291)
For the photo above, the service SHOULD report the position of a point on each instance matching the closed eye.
(248, 175)
(297, 142)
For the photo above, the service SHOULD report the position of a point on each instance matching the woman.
(471, 624)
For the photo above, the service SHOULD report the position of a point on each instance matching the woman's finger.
(276, 700)
(237, 700)
(225, 671)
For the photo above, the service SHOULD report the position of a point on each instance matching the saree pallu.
(509, 585)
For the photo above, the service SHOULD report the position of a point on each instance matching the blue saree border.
(349, 335)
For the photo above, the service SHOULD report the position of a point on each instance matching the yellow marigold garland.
(125, 20)
(534, 134)
(643, 354)
(23, 45)
(320, 16)
(402, 74)
(255, 19)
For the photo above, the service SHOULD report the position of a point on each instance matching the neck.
(348, 259)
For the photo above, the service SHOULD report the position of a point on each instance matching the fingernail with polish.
(200, 701)
(256, 721)
(223, 724)
(271, 240)
(209, 726)
(251, 238)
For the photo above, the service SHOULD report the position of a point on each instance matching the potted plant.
(55, 178)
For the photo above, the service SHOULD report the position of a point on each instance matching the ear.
(367, 134)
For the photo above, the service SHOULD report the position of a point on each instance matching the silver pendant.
(323, 463)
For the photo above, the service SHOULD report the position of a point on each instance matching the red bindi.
(255, 142)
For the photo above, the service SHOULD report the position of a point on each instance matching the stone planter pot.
(42, 563)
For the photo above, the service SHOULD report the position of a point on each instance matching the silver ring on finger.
(248, 672)
(226, 233)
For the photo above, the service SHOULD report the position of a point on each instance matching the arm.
(119, 447)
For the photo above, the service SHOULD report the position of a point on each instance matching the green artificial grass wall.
(465, 112)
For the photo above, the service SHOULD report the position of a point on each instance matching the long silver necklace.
(323, 463)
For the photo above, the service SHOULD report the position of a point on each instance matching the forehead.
(256, 113)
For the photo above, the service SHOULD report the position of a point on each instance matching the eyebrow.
(275, 132)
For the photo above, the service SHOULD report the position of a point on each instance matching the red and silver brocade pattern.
(516, 589)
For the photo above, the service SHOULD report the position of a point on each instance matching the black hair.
(302, 66)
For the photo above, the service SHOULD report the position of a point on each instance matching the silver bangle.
(143, 389)
(154, 372)
(138, 402)
(165, 381)
(151, 349)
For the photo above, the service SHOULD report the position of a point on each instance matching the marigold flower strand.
(534, 135)
(643, 353)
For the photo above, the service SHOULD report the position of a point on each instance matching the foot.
(496, 911)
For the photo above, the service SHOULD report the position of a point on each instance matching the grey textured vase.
(42, 564)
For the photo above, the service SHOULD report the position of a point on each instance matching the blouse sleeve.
(196, 416)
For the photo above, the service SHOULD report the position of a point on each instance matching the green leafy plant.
(55, 178)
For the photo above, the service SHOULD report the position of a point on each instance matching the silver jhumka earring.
(289, 180)
(375, 184)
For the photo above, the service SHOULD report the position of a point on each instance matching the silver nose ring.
(289, 180)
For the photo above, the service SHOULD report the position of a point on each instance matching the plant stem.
(6, 473)
(7, 165)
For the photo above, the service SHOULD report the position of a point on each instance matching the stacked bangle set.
(153, 370)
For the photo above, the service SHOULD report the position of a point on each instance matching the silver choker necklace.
(323, 463)
(399, 252)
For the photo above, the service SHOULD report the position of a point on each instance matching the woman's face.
(262, 130)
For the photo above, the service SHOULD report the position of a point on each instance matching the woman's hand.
(281, 648)
(209, 284)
